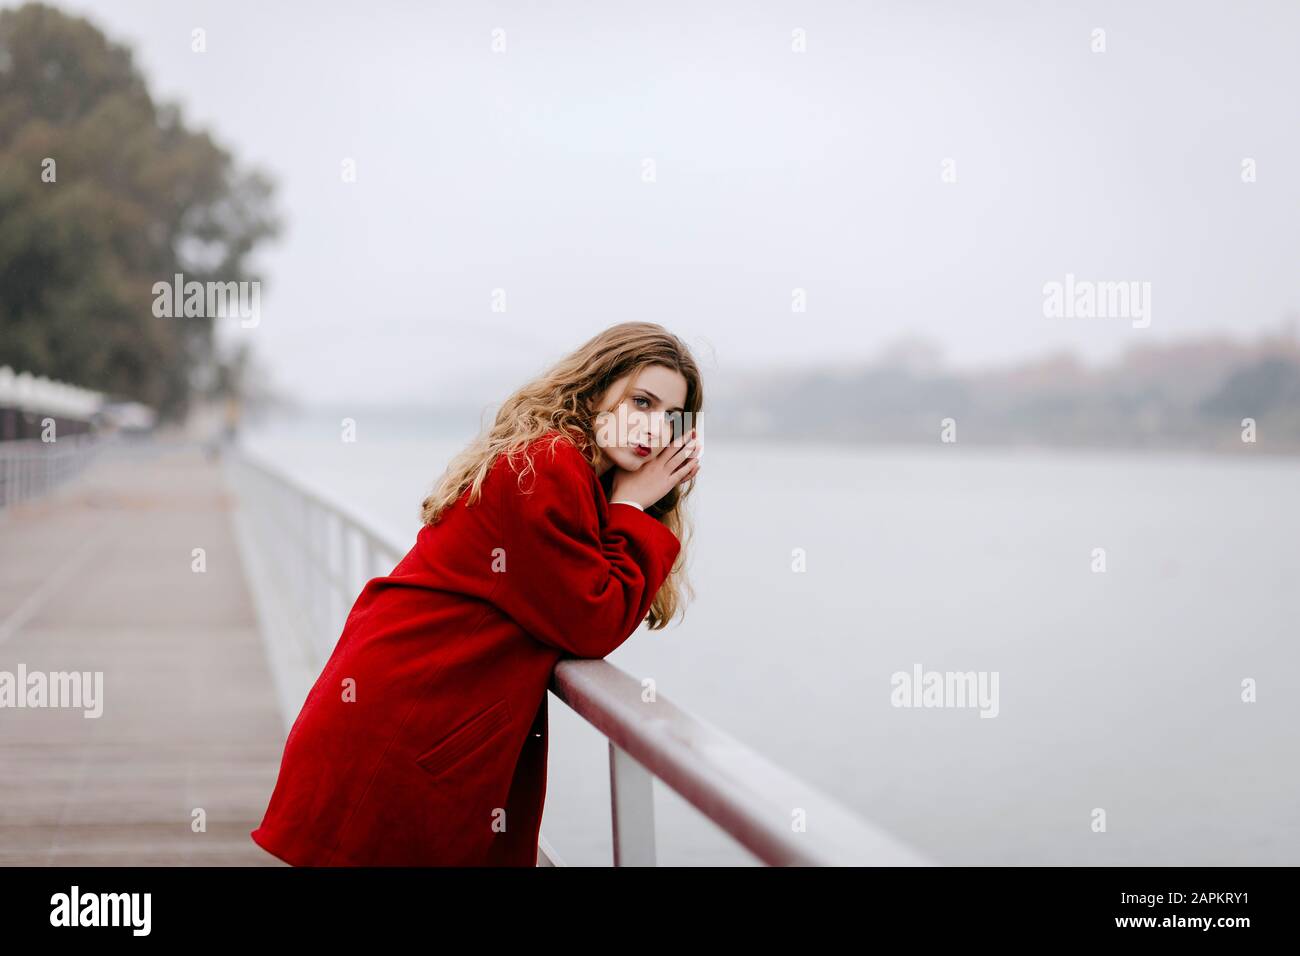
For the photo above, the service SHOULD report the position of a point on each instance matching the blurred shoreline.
(1202, 397)
(1213, 395)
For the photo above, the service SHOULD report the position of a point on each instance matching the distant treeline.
(1191, 395)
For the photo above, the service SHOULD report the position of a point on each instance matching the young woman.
(423, 741)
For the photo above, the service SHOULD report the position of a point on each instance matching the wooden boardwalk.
(99, 577)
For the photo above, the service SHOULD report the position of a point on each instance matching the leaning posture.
(557, 533)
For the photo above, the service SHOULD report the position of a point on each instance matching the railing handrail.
(32, 468)
(12, 445)
(750, 798)
(755, 802)
(357, 518)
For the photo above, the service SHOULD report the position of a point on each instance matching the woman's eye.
(642, 398)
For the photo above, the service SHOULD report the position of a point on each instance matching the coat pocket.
(466, 738)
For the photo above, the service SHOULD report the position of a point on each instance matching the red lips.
(642, 451)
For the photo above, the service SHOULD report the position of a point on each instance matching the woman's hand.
(675, 463)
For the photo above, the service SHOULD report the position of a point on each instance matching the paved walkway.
(99, 577)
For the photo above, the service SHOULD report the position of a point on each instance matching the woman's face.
(639, 427)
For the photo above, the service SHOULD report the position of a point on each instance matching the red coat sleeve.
(569, 582)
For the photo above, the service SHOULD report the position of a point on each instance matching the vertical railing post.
(308, 564)
(367, 561)
(632, 810)
(321, 610)
(314, 560)
(339, 573)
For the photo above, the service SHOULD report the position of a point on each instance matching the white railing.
(31, 468)
(308, 557)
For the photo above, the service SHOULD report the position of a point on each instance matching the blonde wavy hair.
(564, 397)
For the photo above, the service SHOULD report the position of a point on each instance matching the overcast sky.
(523, 170)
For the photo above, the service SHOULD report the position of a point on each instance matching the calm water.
(1118, 690)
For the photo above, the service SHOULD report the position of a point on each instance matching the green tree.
(136, 197)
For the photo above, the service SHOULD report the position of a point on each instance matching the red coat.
(423, 742)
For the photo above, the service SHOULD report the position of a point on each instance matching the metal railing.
(309, 556)
(30, 468)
